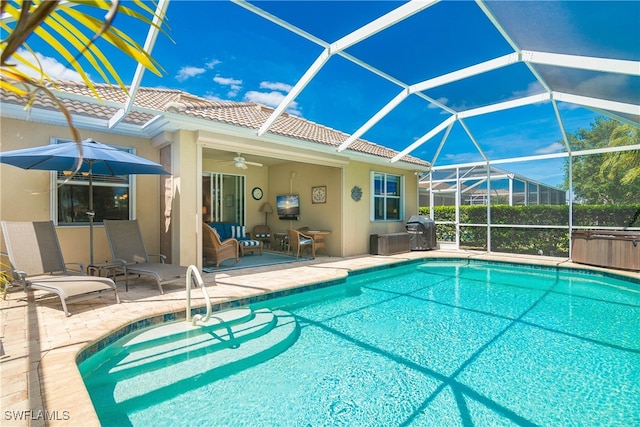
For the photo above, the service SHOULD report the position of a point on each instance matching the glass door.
(223, 198)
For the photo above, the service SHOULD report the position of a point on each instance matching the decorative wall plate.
(356, 193)
(319, 194)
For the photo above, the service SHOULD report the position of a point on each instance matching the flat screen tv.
(288, 206)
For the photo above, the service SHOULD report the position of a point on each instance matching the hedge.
(530, 240)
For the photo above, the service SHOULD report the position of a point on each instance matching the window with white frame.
(388, 197)
(111, 196)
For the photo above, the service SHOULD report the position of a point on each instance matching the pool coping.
(38, 368)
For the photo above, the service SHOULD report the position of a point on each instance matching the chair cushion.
(223, 229)
(262, 235)
(238, 232)
(248, 242)
(216, 233)
(228, 230)
(305, 241)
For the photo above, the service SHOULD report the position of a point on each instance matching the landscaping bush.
(529, 240)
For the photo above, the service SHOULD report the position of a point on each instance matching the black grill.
(422, 233)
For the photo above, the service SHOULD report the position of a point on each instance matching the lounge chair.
(215, 250)
(299, 241)
(37, 263)
(127, 247)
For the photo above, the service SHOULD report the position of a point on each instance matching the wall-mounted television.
(288, 206)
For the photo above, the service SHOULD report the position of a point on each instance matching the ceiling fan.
(241, 163)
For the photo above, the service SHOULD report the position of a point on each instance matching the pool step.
(175, 335)
(158, 372)
(172, 331)
(143, 357)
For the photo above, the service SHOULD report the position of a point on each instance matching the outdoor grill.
(422, 233)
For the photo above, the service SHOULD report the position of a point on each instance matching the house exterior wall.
(357, 215)
(25, 195)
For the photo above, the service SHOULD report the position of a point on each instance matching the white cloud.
(271, 99)
(551, 148)
(227, 81)
(534, 88)
(441, 101)
(187, 72)
(283, 87)
(234, 85)
(51, 67)
(212, 63)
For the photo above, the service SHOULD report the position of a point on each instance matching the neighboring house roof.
(152, 102)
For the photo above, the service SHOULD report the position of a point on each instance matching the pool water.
(437, 343)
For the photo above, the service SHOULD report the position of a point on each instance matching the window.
(111, 195)
(388, 197)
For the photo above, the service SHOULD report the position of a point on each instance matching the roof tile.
(245, 114)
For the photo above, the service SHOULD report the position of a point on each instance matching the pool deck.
(40, 382)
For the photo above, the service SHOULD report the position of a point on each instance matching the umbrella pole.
(91, 213)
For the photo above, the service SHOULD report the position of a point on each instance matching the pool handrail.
(193, 270)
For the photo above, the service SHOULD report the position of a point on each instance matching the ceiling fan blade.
(241, 163)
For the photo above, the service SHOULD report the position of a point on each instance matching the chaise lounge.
(37, 263)
(127, 247)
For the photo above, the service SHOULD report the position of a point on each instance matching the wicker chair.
(216, 251)
(299, 242)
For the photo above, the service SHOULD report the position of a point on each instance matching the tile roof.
(244, 114)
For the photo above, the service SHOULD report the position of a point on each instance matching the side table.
(109, 267)
(281, 239)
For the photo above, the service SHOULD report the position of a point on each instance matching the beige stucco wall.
(184, 217)
(357, 218)
(25, 194)
(299, 178)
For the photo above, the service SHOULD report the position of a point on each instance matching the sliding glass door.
(223, 198)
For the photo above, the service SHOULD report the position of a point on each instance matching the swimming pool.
(433, 343)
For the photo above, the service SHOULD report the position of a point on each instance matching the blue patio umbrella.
(96, 158)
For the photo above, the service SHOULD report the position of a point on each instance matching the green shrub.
(528, 240)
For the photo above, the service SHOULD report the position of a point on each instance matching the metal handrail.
(193, 270)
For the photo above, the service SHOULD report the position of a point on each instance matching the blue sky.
(219, 50)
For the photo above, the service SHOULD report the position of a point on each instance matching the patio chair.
(37, 263)
(127, 246)
(215, 250)
(299, 242)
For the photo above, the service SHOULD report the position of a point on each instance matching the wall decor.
(319, 194)
(356, 193)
